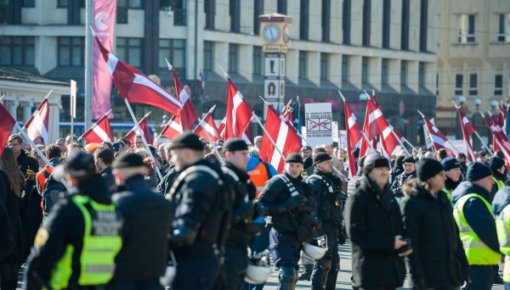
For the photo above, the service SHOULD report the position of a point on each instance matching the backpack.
(53, 190)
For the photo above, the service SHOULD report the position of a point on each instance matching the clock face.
(271, 33)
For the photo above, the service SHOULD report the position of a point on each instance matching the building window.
(257, 60)
(384, 71)
(424, 14)
(346, 22)
(235, 15)
(421, 75)
(467, 28)
(28, 3)
(386, 27)
(281, 6)
(302, 65)
(326, 19)
(504, 28)
(304, 19)
(175, 51)
(364, 70)
(17, 51)
(459, 83)
(404, 41)
(130, 50)
(134, 4)
(473, 84)
(122, 9)
(324, 66)
(65, 3)
(178, 8)
(367, 7)
(233, 58)
(210, 12)
(208, 56)
(257, 11)
(345, 68)
(71, 51)
(498, 84)
(403, 72)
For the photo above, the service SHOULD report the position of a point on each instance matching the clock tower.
(274, 33)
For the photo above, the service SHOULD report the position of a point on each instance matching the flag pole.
(476, 133)
(502, 149)
(142, 135)
(257, 119)
(89, 21)
(105, 114)
(452, 147)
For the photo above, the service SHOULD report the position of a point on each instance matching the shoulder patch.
(41, 238)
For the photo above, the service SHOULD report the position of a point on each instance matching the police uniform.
(241, 226)
(76, 248)
(202, 199)
(326, 189)
(286, 200)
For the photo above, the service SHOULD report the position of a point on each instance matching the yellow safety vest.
(499, 183)
(448, 194)
(503, 227)
(477, 252)
(101, 243)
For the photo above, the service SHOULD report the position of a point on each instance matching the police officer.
(326, 190)
(76, 248)
(235, 152)
(286, 199)
(477, 228)
(202, 200)
(147, 219)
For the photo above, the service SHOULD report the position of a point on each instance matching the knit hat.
(409, 159)
(189, 141)
(375, 160)
(320, 157)
(235, 144)
(450, 163)
(294, 158)
(428, 168)
(128, 160)
(477, 171)
(496, 163)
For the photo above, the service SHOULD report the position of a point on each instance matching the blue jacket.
(476, 214)
(253, 162)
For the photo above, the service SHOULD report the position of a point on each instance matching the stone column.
(27, 110)
(13, 106)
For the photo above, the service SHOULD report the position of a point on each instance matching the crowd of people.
(185, 214)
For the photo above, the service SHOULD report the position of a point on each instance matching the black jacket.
(438, 259)
(396, 186)
(147, 219)
(12, 204)
(476, 213)
(372, 220)
(326, 190)
(65, 226)
(29, 168)
(6, 233)
(109, 179)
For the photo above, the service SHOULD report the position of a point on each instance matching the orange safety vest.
(259, 176)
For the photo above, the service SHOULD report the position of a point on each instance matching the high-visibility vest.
(259, 176)
(498, 182)
(477, 252)
(448, 194)
(503, 227)
(101, 243)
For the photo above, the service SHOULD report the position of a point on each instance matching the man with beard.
(453, 175)
(409, 172)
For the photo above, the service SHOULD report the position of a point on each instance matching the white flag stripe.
(111, 64)
(351, 121)
(37, 128)
(144, 81)
(177, 127)
(374, 115)
(100, 133)
(237, 101)
(210, 130)
(280, 143)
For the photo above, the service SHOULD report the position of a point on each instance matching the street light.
(461, 100)
(363, 97)
(494, 104)
(477, 103)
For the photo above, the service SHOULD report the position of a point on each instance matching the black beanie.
(496, 163)
(477, 171)
(128, 160)
(189, 141)
(428, 168)
(320, 157)
(409, 159)
(235, 144)
(294, 158)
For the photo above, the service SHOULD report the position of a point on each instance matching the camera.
(405, 248)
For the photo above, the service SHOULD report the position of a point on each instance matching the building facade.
(385, 46)
(473, 59)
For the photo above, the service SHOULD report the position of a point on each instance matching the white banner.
(318, 120)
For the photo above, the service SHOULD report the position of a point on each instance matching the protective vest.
(498, 182)
(448, 194)
(101, 243)
(331, 207)
(477, 252)
(259, 176)
(503, 227)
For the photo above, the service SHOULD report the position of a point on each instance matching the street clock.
(274, 31)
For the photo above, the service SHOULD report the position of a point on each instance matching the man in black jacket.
(409, 166)
(438, 259)
(147, 219)
(104, 158)
(241, 229)
(202, 198)
(453, 175)
(374, 226)
(326, 190)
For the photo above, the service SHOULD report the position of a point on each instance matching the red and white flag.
(221, 128)
(136, 87)
(103, 26)
(378, 126)
(6, 126)
(467, 129)
(238, 113)
(144, 126)
(207, 129)
(99, 132)
(353, 134)
(439, 141)
(285, 137)
(38, 124)
(189, 114)
(173, 128)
